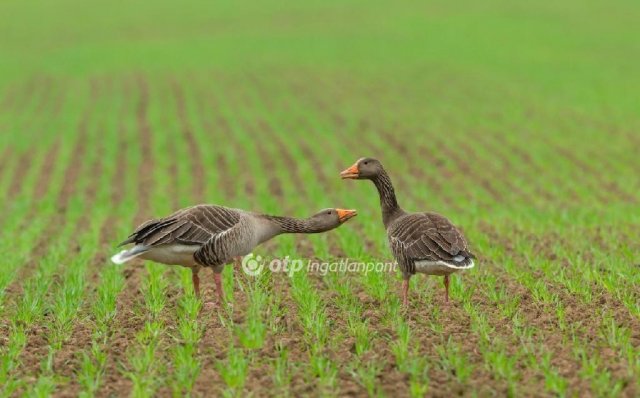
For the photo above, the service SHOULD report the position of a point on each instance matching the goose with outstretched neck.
(421, 242)
(212, 236)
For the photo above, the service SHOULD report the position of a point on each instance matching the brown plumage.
(421, 242)
(191, 226)
(212, 236)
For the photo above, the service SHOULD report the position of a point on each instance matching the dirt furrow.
(126, 322)
(546, 246)
(344, 353)
(339, 165)
(20, 170)
(266, 130)
(259, 374)
(303, 246)
(5, 157)
(583, 170)
(67, 359)
(36, 347)
(42, 96)
(27, 91)
(602, 173)
(226, 182)
(581, 317)
(417, 170)
(456, 327)
(474, 176)
(146, 169)
(265, 157)
(43, 182)
(599, 162)
(43, 103)
(540, 317)
(24, 165)
(403, 184)
(215, 342)
(538, 173)
(9, 98)
(170, 151)
(504, 171)
(239, 152)
(198, 171)
(364, 127)
(67, 190)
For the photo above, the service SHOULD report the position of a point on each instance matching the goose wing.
(428, 237)
(191, 226)
(220, 248)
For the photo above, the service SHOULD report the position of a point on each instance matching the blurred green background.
(586, 53)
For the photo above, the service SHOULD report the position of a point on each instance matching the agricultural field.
(519, 122)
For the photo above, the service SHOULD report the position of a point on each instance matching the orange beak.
(351, 173)
(344, 215)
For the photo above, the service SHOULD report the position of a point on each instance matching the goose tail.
(127, 255)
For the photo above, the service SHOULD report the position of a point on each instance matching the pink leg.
(405, 293)
(196, 281)
(446, 288)
(218, 279)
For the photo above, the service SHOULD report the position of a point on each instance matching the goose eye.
(365, 163)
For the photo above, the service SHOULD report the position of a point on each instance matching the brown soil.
(434, 161)
(581, 316)
(9, 98)
(175, 190)
(132, 273)
(221, 131)
(20, 170)
(456, 325)
(43, 182)
(37, 345)
(257, 131)
(212, 130)
(536, 170)
(505, 169)
(291, 165)
(128, 320)
(605, 169)
(583, 173)
(127, 323)
(426, 307)
(467, 170)
(28, 90)
(67, 191)
(145, 138)
(336, 250)
(67, 360)
(198, 171)
(5, 157)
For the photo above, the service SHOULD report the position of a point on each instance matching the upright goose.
(421, 242)
(212, 236)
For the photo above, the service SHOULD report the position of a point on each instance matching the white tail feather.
(126, 255)
(440, 267)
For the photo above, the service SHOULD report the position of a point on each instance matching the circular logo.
(251, 265)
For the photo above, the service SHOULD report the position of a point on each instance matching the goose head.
(363, 169)
(328, 219)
